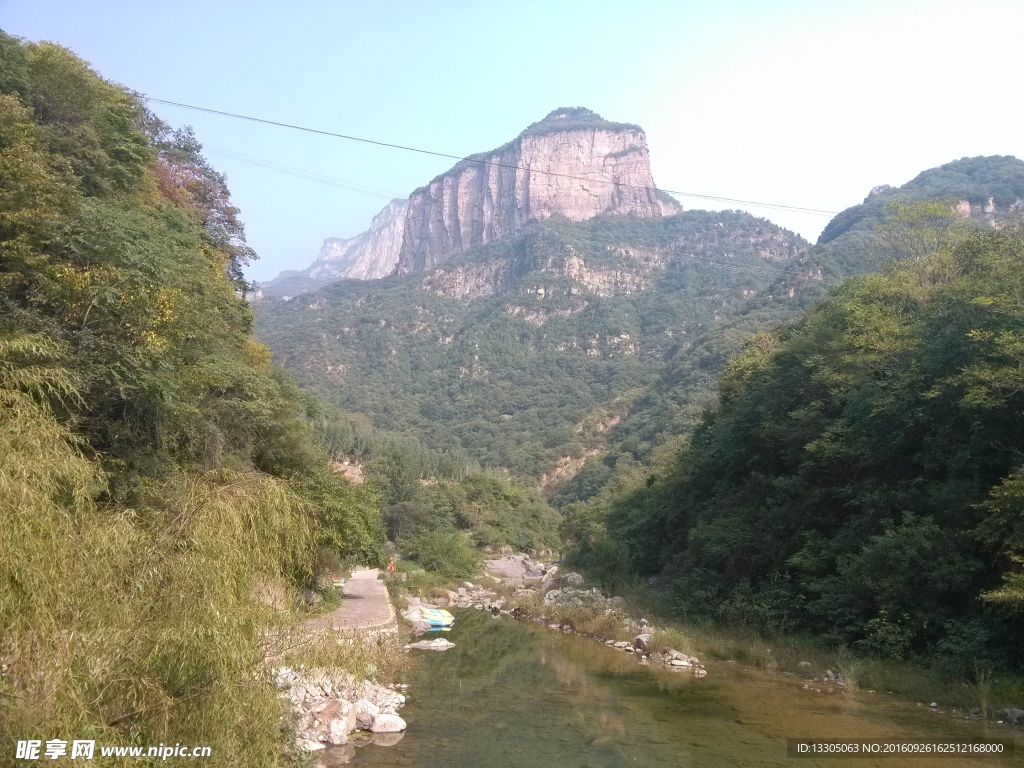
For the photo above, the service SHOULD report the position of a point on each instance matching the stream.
(517, 694)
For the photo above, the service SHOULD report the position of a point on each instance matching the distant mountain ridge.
(573, 164)
(574, 345)
(523, 353)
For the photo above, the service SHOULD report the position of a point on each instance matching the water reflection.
(513, 694)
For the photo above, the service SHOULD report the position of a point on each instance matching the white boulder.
(384, 723)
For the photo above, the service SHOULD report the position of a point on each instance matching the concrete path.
(364, 605)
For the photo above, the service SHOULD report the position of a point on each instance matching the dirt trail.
(364, 605)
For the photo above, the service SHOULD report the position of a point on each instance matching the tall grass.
(366, 655)
(132, 625)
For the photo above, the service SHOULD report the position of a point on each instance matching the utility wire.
(766, 271)
(776, 206)
(304, 174)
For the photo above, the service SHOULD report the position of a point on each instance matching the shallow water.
(517, 694)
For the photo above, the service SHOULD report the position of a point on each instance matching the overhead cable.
(471, 159)
(304, 174)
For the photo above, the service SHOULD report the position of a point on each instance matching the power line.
(470, 159)
(766, 270)
(304, 174)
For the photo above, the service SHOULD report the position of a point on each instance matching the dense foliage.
(913, 220)
(157, 473)
(561, 328)
(861, 477)
(422, 490)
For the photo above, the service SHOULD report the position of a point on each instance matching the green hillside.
(524, 353)
(849, 239)
(508, 358)
(915, 217)
(861, 478)
(156, 471)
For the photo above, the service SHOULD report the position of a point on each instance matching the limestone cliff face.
(367, 256)
(579, 172)
(336, 257)
(573, 163)
(621, 270)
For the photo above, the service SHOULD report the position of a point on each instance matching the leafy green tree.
(446, 552)
(156, 471)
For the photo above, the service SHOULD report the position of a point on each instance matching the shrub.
(447, 552)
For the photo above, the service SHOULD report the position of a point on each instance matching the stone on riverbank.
(385, 723)
(365, 710)
(572, 579)
(439, 644)
(1012, 715)
(323, 704)
(565, 590)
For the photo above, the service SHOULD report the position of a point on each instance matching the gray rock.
(308, 745)
(384, 723)
(338, 734)
(365, 712)
(573, 579)
(439, 644)
(338, 720)
(1013, 715)
(643, 641)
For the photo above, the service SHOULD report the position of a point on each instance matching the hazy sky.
(803, 103)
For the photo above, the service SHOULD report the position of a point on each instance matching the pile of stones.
(329, 707)
(470, 595)
(642, 649)
(592, 598)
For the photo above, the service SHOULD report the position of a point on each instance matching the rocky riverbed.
(331, 706)
(560, 590)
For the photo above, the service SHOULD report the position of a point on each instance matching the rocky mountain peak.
(572, 163)
(572, 119)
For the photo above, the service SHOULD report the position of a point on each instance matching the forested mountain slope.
(979, 192)
(861, 478)
(523, 353)
(987, 189)
(601, 338)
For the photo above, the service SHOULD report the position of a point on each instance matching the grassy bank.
(975, 688)
(788, 654)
